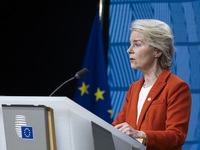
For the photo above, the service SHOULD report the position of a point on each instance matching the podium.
(75, 127)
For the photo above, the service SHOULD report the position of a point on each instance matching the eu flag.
(92, 91)
(27, 132)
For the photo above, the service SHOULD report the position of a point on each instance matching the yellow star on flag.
(84, 89)
(111, 113)
(99, 94)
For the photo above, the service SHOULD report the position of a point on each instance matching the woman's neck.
(151, 75)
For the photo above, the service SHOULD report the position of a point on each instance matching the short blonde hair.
(158, 35)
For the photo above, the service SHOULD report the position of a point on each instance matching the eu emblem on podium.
(27, 132)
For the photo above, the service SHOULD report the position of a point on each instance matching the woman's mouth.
(132, 59)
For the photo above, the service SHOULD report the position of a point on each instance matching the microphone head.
(81, 73)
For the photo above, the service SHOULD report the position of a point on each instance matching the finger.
(130, 131)
(127, 131)
(123, 127)
(120, 125)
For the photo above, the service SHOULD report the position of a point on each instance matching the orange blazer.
(165, 114)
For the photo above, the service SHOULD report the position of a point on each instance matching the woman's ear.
(158, 53)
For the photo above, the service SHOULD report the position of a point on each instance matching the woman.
(157, 107)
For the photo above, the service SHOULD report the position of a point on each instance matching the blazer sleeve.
(178, 115)
(121, 117)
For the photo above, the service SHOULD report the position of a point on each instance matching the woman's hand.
(127, 129)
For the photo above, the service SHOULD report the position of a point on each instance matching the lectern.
(75, 127)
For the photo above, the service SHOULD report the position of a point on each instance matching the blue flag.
(92, 91)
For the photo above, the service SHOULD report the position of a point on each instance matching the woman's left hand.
(127, 129)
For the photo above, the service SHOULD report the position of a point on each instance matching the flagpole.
(101, 10)
(104, 19)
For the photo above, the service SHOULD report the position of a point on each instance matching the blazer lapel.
(155, 90)
(135, 95)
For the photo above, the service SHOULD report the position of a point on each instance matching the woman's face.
(142, 56)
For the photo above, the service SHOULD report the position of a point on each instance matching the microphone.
(78, 75)
(81, 73)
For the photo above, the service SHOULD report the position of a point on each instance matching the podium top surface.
(61, 107)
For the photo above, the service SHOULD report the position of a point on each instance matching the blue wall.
(184, 18)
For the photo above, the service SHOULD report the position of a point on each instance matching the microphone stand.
(61, 86)
(78, 75)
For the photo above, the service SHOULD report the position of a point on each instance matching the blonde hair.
(158, 35)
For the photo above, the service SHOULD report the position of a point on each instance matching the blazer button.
(149, 99)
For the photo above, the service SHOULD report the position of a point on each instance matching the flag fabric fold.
(92, 91)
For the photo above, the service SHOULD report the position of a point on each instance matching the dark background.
(43, 44)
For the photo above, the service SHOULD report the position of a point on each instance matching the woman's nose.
(130, 50)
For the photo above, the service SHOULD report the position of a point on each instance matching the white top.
(142, 97)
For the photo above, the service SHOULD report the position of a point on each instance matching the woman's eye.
(137, 44)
